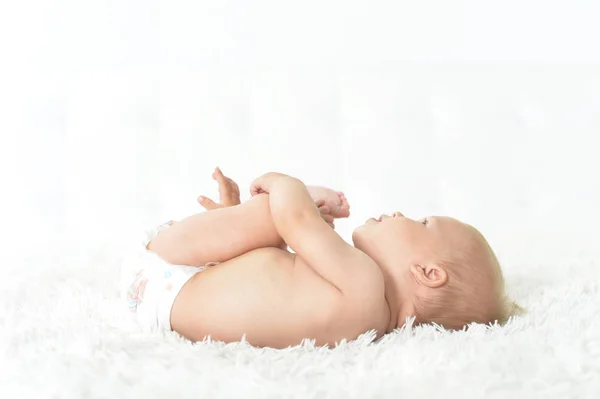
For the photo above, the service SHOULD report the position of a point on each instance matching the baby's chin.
(357, 235)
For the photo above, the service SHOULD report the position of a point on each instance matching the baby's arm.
(298, 221)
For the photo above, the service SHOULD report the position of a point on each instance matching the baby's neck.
(393, 317)
(397, 312)
(394, 299)
(398, 304)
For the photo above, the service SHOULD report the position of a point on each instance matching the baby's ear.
(430, 275)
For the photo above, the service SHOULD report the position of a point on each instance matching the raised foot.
(336, 201)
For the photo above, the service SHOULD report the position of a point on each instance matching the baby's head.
(436, 269)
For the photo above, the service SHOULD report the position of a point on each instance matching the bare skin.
(273, 297)
(327, 290)
(330, 202)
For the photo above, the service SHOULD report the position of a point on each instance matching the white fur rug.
(61, 336)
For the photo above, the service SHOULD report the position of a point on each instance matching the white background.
(114, 113)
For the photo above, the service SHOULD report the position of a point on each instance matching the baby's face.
(406, 241)
(418, 255)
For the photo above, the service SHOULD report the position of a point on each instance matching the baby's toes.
(344, 209)
(207, 203)
(344, 200)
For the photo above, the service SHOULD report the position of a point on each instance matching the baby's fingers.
(325, 210)
(328, 218)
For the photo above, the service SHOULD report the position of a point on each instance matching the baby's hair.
(474, 293)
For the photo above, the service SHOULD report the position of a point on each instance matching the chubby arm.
(300, 224)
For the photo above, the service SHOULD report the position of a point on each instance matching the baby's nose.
(398, 215)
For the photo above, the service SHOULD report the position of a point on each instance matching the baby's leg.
(218, 235)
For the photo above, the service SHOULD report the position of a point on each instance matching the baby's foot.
(336, 201)
(229, 193)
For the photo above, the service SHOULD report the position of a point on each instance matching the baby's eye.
(425, 221)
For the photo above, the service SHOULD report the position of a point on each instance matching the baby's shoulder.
(368, 283)
(366, 304)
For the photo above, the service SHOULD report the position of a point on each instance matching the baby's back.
(271, 296)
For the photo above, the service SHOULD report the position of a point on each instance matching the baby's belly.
(263, 295)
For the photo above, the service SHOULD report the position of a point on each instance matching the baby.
(436, 269)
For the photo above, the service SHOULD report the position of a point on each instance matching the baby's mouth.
(379, 219)
(384, 216)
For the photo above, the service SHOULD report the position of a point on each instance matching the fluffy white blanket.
(62, 336)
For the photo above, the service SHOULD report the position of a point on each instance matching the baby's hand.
(264, 183)
(325, 212)
(229, 193)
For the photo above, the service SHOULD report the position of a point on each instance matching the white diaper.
(149, 284)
